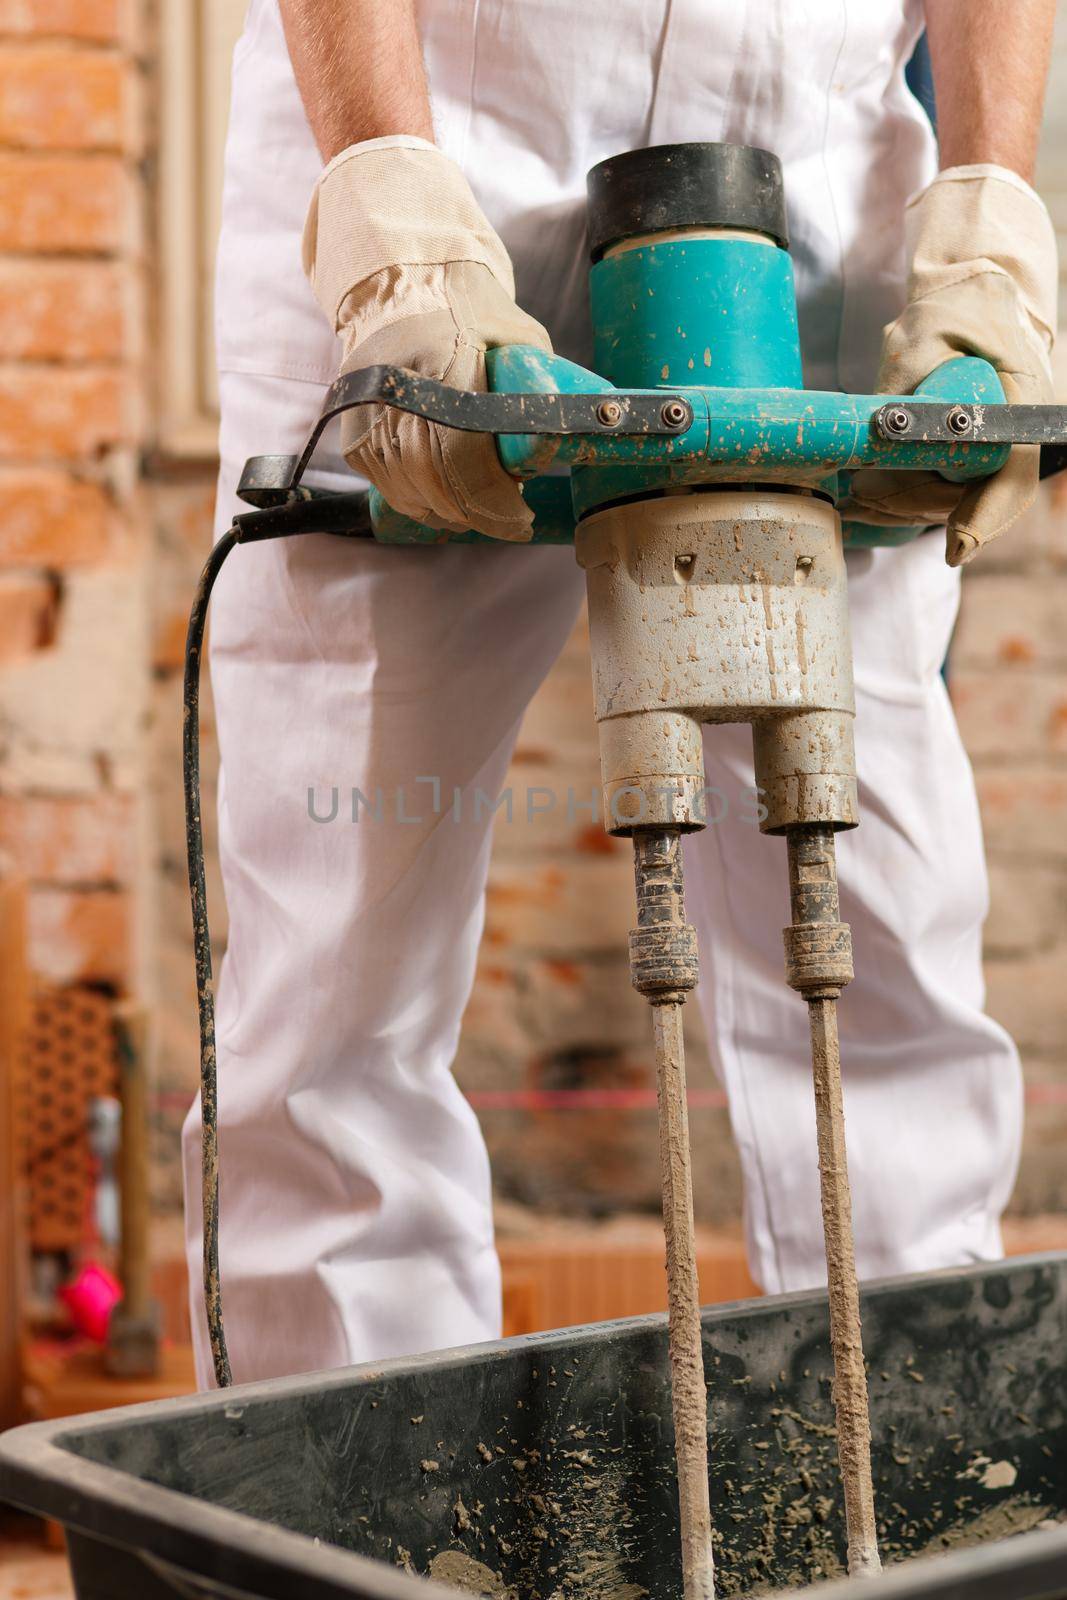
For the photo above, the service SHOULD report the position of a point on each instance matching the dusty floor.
(29, 1571)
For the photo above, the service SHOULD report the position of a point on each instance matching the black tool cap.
(672, 186)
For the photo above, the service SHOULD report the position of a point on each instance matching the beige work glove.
(411, 274)
(983, 282)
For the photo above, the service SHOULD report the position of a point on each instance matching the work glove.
(983, 282)
(410, 274)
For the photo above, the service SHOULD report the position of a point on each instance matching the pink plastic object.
(90, 1299)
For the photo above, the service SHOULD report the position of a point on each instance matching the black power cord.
(205, 989)
(344, 514)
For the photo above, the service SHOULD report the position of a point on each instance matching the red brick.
(103, 21)
(81, 936)
(551, 801)
(1023, 808)
(66, 310)
(47, 412)
(59, 99)
(1056, 491)
(54, 204)
(168, 643)
(1029, 544)
(1010, 621)
(1028, 997)
(1024, 1236)
(51, 520)
(72, 840)
(561, 915)
(1004, 715)
(27, 614)
(1028, 907)
(184, 516)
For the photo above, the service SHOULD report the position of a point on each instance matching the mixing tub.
(541, 1466)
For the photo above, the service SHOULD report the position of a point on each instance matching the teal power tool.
(701, 499)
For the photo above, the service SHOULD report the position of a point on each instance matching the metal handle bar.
(613, 412)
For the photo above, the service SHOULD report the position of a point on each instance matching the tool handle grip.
(955, 423)
(967, 380)
(525, 369)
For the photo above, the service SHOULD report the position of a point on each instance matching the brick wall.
(90, 658)
(181, 501)
(1009, 685)
(72, 544)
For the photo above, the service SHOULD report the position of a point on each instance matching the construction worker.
(405, 183)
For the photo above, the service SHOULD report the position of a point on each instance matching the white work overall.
(355, 1198)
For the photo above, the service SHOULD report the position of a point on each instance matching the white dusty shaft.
(850, 1377)
(688, 1391)
(818, 951)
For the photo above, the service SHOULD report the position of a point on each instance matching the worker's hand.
(411, 274)
(983, 283)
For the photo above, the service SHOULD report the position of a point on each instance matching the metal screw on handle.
(676, 414)
(894, 420)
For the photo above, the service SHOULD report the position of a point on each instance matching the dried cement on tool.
(850, 1378)
(819, 965)
(689, 1397)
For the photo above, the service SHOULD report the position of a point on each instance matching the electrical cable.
(298, 516)
(205, 991)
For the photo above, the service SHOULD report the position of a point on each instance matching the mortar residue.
(850, 1378)
(462, 1571)
(1017, 1514)
(689, 1397)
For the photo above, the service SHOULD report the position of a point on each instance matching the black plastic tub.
(541, 1467)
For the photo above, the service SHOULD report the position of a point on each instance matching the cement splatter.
(602, 1536)
(1015, 1515)
(462, 1571)
(991, 1474)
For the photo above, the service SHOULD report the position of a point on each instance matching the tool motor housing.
(709, 603)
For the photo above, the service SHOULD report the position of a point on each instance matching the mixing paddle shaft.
(663, 963)
(818, 965)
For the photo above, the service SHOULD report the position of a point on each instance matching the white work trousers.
(355, 1197)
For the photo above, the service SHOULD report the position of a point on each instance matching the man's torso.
(529, 94)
